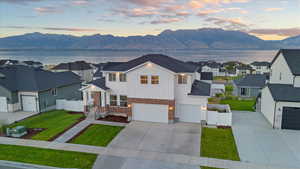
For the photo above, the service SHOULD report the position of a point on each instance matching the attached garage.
(3, 104)
(188, 113)
(150, 112)
(29, 103)
(290, 118)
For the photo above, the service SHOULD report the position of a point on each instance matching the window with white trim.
(154, 79)
(122, 77)
(54, 92)
(112, 77)
(113, 100)
(123, 101)
(182, 79)
(144, 79)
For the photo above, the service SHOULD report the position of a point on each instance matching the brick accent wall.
(119, 109)
(170, 103)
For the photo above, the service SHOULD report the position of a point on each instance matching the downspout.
(274, 114)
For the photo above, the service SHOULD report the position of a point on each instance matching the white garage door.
(150, 112)
(3, 104)
(29, 103)
(188, 113)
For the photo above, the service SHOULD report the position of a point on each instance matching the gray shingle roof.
(167, 62)
(24, 78)
(258, 81)
(206, 76)
(200, 88)
(283, 92)
(73, 66)
(260, 63)
(100, 83)
(292, 57)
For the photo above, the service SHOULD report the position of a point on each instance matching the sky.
(267, 19)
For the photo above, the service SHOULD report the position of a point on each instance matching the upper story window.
(182, 79)
(113, 100)
(112, 77)
(54, 92)
(123, 101)
(154, 79)
(122, 77)
(144, 79)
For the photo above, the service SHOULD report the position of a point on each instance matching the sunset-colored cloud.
(138, 12)
(166, 20)
(279, 32)
(147, 2)
(80, 2)
(228, 23)
(273, 9)
(47, 9)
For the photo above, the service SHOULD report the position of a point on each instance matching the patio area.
(12, 117)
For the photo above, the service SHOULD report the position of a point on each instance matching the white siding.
(281, 67)
(297, 81)
(267, 105)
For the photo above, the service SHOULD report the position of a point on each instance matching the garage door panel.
(291, 118)
(29, 103)
(150, 112)
(3, 104)
(188, 113)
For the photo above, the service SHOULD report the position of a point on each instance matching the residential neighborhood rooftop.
(24, 78)
(167, 62)
(100, 83)
(78, 65)
(200, 88)
(284, 92)
(206, 76)
(256, 80)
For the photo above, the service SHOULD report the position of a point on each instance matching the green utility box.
(17, 132)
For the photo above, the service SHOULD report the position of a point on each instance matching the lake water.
(96, 56)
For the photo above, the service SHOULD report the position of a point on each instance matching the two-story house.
(280, 99)
(153, 88)
(213, 67)
(260, 67)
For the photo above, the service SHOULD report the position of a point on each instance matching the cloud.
(47, 9)
(19, 1)
(166, 20)
(138, 12)
(195, 4)
(273, 9)
(228, 23)
(52, 28)
(147, 2)
(279, 32)
(80, 2)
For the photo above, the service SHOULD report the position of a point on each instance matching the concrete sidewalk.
(136, 154)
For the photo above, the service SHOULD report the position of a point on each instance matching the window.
(112, 77)
(122, 77)
(123, 101)
(244, 91)
(154, 79)
(182, 79)
(144, 79)
(280, 76)
(54, 92)
(113, 100)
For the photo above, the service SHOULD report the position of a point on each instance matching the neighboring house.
(98, 74)
(231, 73)
(81, 68)
(29, 89)
(154, 88)
(206, 76)
(249, 86)
(213, 67)
(4, 62)
(260, 67)
(33, 64)
(217, 88)
(280, 99)
(243, 70)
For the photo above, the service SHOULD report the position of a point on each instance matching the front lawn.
(241, 105)
(48, 157)
(54, 123)
(97, 135)
(218, 143)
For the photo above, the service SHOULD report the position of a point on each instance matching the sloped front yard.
(53, 123)
(241, 105)
(97, 135)
(218, 143)
(48, 157)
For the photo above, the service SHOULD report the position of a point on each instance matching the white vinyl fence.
(219, 118)
(70, 105)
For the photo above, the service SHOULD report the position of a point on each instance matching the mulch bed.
(78, 134)
(59, 134)
(73, 112)
(31, 132)
(111, 118)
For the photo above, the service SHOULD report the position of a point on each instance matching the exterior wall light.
(171, 108)
(149, 65)
(129, 105)
(203, 108)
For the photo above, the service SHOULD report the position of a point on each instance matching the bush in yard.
(219, 95)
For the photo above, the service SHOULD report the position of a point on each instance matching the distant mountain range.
(181, 39)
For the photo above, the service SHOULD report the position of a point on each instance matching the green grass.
(54, 122)
(97, 135)
(48, 157)
(218, 143)
(228, 90)
(241, 105)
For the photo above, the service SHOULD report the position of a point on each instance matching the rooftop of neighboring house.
(244, 67)
(8, 61)
(292, 57)
(73, 66)
(261, 64)
(284, 92)
(24, 78)
(200, 88)
(257, 81)
(206, 76)
(32, 63)
(164, 61)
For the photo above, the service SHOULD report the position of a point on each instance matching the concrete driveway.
(15, 116)
(257, 142)
(179, 138)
